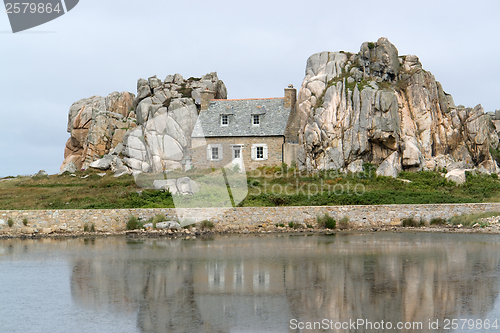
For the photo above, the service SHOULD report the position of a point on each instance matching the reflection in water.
(252, 283)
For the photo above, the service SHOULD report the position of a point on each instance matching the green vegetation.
(274, 188)
(344, 223)
(438, 221)
(293, 225)
(89, 228)
(206, 224)
(326, 221)
(67, 192)
(133, 223)
(412, 222)
(468, 220)
(371, 45)
(25, 221)
(157, 219)
(10, 222)
(280, 185)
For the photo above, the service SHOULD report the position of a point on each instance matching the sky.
(256, 47)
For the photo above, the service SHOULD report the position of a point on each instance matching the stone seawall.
(114, 220)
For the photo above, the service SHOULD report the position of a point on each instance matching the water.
(250, 283)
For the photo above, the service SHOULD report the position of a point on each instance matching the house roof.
(272, 111)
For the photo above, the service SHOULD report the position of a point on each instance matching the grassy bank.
(270, 186)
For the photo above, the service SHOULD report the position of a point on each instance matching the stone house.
(246, 132)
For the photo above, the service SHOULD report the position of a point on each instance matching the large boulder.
(97, 125)
(152, 131)
(166, 114)
(371, 105)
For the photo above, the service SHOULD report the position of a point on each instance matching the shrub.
(133, 223)
(206, 224)
(344, 223)
(293, 225)
(10, 222)
(326, 221)
(371, 45)
(158, 218)
(438, 221)
(412, 222)
(86, 227)
(280, 225)
(468, 220)
(25, 221)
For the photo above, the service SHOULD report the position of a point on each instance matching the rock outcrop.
(384, 109)
(166, 114)
(147, 133)
(97, 124)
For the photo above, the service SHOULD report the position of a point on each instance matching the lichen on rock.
(371, 105)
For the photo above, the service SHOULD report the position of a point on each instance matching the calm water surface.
(247, 283)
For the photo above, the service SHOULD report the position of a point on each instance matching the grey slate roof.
(272, 111)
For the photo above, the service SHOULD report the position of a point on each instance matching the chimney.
(206, 97)
(290, 96)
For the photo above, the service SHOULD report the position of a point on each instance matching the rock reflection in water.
(261, 283)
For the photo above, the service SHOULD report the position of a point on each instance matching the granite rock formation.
(147, 133)
(97, 124)
(166, 114)
(378, 107)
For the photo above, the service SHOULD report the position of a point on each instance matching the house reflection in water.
(261, 283)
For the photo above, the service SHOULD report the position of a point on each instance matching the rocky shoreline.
(258, 230)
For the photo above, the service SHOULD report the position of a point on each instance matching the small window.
(224, 121)
(215, 153)
(260, 152)
(255, 119)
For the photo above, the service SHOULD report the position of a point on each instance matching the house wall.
(290, 152)
(274, 146)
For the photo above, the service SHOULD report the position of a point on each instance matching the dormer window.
(224, 120)
(256, 119)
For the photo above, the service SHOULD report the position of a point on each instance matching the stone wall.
(112, 220)
(274, 148)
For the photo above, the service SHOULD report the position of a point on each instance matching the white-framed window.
(256, 119)
(259, 152)
(236, 152)
(224, 120)
(214, 152)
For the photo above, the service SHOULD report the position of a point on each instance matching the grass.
(66, 192)
(157, 219)
(344, 223)
(438, 221)
(412, 222)
(468, 220)
(326, 221)
(10, 222)
(133, 223)
(206, 224)
(270, 186)
(89, 228)
(25, 221)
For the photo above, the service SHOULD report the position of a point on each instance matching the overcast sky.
(257, 48)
